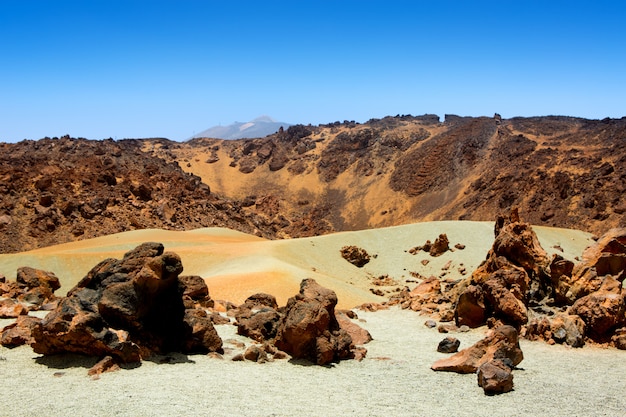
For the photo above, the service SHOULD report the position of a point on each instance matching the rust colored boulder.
(258, 318)
(11, 308)
(500, 343)
(309, 330)
(359, 335)
(129, 309)
(355, 255)
(515, 272)
(495, 377)
(200, 335)
(19, 333)
(195, 291)
(440, 246)
(602, 311)
(470, 307)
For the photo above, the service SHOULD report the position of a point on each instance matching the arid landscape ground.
(262, 215)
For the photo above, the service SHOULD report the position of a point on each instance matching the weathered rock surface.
(19, 333)
(449, 345)
(501, 343)
(258, 318)
(495, 377)
(129, 309)
(355, 255)
(309, 330)
(514, 273)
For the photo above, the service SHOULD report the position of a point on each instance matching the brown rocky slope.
(311, 180)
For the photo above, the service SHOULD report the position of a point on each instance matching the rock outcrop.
(309, 330)
(514, 274)
(129, 309)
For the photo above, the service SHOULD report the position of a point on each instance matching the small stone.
(449, 345)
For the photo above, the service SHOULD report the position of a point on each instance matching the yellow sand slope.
(236, 265)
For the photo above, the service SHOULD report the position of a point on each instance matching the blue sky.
(123, 69)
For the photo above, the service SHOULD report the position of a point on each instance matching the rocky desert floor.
(394, 379)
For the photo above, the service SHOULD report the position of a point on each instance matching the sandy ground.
(237, 265)
(394, 380)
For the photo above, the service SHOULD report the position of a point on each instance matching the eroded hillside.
(312, 180)
(559, 171)
(60, 190)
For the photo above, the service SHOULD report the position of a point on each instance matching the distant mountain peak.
(256, 128)
(264, 119)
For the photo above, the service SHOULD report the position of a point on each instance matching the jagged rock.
(258, 318)
(19, 333)
(514, 273)
(568, 329)
(619, 338)
(470, 307)
(201, 336)
(440, 246)
(602, 311)
(359, 335)
(449, 345)
(195, 291)
(11, 308)
(495, 377)
(355, 255)
(309, 330)
(106, 364)
(500, 343)
(129, 309)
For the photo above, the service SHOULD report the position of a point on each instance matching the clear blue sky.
(108, 68)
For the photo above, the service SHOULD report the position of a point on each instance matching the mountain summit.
(256, 128)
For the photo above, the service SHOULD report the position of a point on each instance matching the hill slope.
(560, 171)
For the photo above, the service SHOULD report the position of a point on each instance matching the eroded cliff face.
(560, 171)
(311, 180)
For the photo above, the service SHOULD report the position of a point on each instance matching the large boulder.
(309, 330)
(501, 343)
(603, 311)
(130, 309)
(258, 318)
(495, 377)
(19, 333)
(515, 272)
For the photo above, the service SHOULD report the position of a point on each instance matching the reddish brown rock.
(355, 255)
(501, 343)
(19, 333)
(129, 309)
(495, 377)
(602, 311)
(309, 330)
(106, 364)
(200, 335)
(195, 291)
(11, 308)
(359, 335)
(470, 307)
(440, 246)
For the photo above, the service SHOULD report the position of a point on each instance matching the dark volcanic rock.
(355, 255)
(129, 309)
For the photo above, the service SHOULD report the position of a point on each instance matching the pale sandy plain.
(394, 380)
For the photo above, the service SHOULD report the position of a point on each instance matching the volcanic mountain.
(312, 180)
